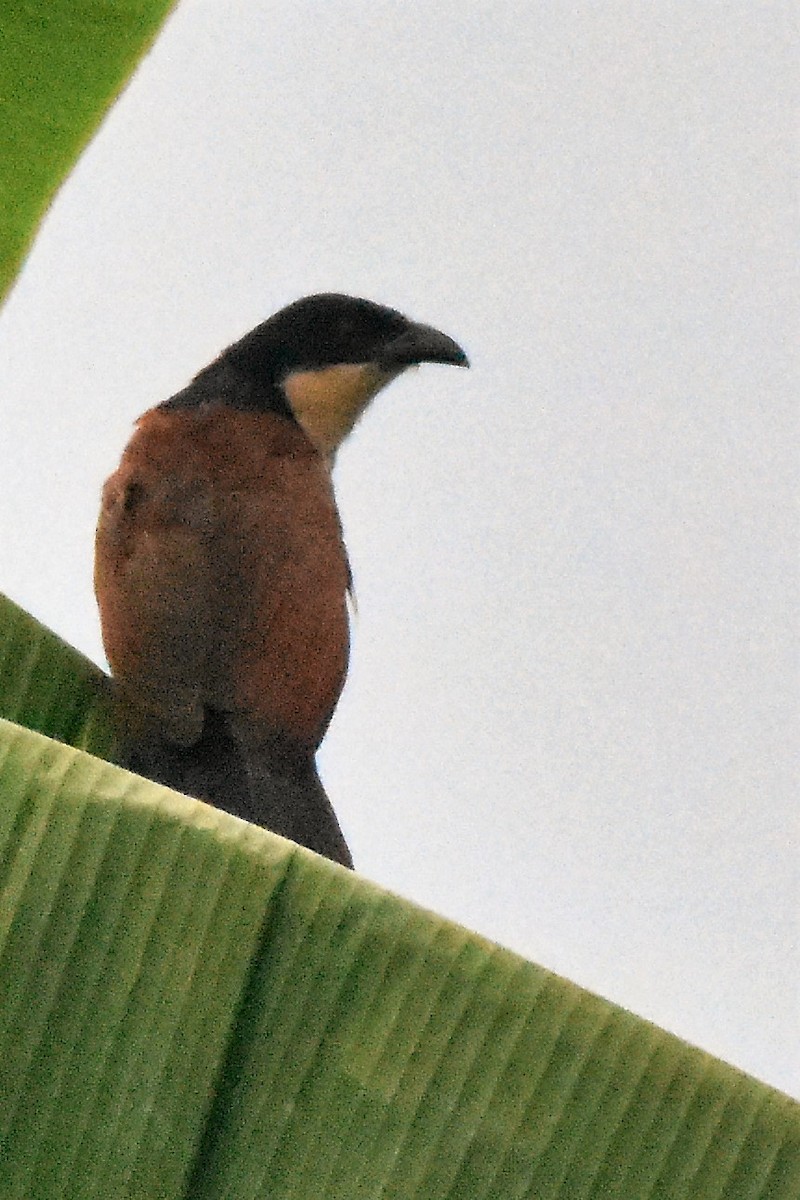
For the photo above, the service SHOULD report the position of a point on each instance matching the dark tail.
(296, 805)
(216, 769)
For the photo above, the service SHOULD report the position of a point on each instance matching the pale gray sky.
(571, 707)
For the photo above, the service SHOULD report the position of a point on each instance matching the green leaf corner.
(62, 64)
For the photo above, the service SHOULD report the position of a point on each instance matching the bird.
(221, 574)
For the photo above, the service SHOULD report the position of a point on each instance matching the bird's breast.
(222, 572)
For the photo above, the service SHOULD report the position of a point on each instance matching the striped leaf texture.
(47, 685)
(192, 1007)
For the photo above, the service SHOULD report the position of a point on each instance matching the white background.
(571, 706)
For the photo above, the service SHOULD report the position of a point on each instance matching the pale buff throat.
(327, 402)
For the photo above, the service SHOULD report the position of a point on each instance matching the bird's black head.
(328, 329)
(321, 360)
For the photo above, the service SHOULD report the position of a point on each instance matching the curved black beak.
(418, 344)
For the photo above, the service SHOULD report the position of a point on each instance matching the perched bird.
(220, 571)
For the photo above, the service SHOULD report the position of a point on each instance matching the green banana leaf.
(49, 686)
(62, 64)
(193, 1007)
